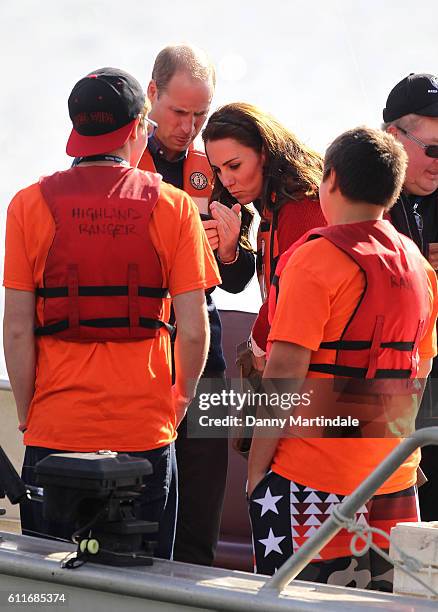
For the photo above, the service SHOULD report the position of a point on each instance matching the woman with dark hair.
(256, 159)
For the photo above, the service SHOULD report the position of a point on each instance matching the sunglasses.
(151, 126)
(429, 150)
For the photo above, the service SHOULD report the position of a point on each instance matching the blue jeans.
(158, 503)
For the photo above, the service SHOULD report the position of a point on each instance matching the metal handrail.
(348, 508)
(5, 384)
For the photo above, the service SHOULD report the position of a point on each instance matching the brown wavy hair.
(292, 170)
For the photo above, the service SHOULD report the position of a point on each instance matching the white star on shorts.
(268, 502)
(271, 543)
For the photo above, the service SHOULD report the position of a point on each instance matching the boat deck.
(32, 565)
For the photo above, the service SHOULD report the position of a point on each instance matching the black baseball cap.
(103, 107)
(416, 93)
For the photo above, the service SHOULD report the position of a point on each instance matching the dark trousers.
(428, 492)
(159, 502)
(202, 475)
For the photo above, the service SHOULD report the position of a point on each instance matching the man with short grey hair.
(411, 115)
(180, 91)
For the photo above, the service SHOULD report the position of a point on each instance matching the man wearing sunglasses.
(411, 115)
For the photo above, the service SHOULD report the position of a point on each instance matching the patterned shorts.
(284, 514)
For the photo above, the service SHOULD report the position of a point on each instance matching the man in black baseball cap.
(411, 115)
(416, 93)
(103, 107)
(93, 255)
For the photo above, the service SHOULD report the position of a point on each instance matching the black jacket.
(404, 220)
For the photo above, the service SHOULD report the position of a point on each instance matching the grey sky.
(320, 67)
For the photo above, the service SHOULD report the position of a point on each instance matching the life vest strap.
(102, 323)
(274, 255)
(133, 306)
(102, 290)
(418, 336)
(375, 347)
(360, 345)
(353, 372)
(73, 298)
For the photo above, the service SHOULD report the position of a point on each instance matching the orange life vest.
(102, 277)
(295, 218)
(382, 337)
(197, 175)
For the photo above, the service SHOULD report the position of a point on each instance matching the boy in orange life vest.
(323, 297)
(92, 255)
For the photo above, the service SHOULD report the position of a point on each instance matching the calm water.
(320, 67)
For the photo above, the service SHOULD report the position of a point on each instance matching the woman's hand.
(258, 362)
(228, 229)
(210, 228)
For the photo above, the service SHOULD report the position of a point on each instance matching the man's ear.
(392, 129)
(134, 132)
(152, 91)
(332, 181)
